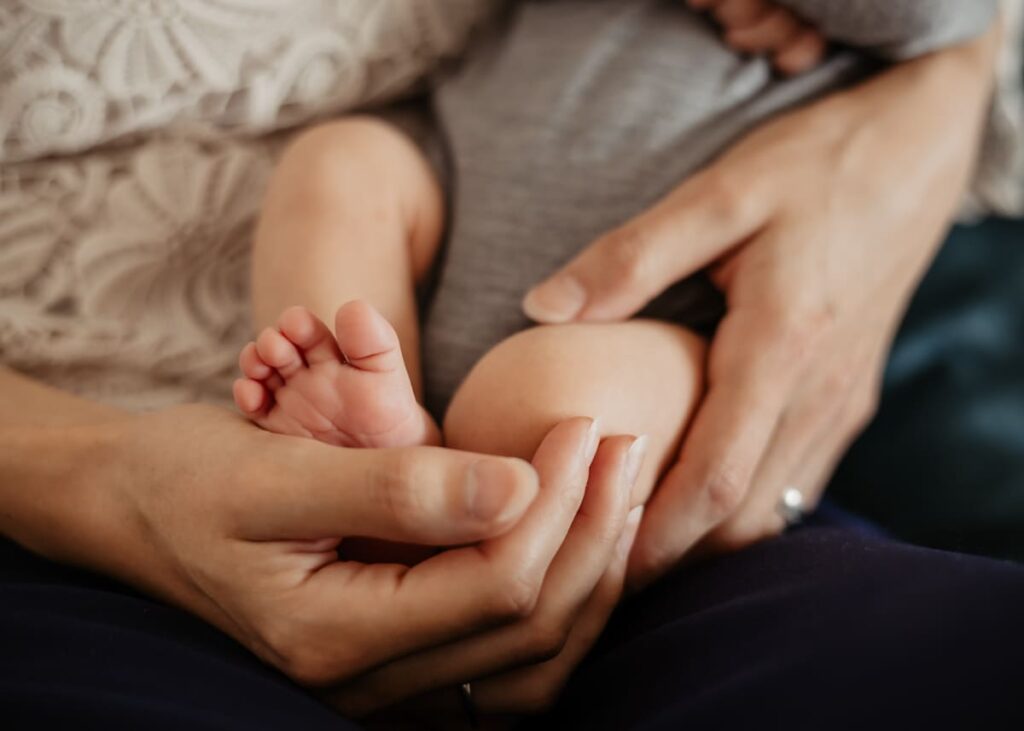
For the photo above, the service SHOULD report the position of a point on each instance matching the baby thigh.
(640, 377)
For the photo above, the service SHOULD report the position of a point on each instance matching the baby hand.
(761, 26)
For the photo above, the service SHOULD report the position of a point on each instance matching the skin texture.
(239, 526)
(303, 379)
(817, 227)
(158, 500)
(638, 377)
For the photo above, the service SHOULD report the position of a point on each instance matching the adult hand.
(526, 663)
(764, 27)
(240, 526)
(817, 227)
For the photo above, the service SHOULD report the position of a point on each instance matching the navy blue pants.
(828, 627)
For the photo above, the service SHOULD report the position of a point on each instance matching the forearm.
(53, 447)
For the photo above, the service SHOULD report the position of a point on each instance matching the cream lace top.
(135, 140)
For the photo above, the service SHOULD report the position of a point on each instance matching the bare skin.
(762, 27)
(353, 220)
(160, 499)
(350, 385)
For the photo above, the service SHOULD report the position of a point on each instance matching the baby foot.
(351, 390)
(761, 26)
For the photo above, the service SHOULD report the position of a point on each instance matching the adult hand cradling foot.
(377, 576)
(817, 228)
(240, 526)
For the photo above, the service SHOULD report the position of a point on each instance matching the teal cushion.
(943, 462)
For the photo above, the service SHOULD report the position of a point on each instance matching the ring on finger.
(791, 506)
(469, 705)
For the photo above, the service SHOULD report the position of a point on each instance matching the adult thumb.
(623, 270)
(423, 495)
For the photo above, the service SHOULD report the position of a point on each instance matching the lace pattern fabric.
(136, 137)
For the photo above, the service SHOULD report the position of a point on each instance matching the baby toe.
(309, 334)
(366, 338)
(252, 365)
(279, 352)
(250, 396)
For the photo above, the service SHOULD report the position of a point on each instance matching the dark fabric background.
(943, 463)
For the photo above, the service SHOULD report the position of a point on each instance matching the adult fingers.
(799, 432)
(752, 372)
(351, 616)
(802, 54)
(581, 561)
(858, 411)
(618, 274)
(423, 495)
(534, 689)
(776, 29)
(740, 13)
(824, 418)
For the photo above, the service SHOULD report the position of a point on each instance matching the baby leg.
(352, 215)
(637, 377)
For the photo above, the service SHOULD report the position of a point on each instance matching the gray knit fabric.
(575, 115)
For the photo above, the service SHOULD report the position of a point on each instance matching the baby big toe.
(366, 338)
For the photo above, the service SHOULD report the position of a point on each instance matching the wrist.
(54, 488)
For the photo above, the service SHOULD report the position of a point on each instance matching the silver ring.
(469, 705)
(791, 506)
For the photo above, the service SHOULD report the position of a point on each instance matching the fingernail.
(557, 300)
(635, 460)
(490, 487)
(590, 444)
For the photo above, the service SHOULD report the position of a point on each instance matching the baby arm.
(639, 377)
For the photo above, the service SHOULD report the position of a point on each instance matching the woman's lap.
(826, 627)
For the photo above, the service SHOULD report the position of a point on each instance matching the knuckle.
(631, 255)
(544, 640)
(839, 380)
(392, 490)
(725, 200)
(515, 598)
(800, 332)
(725, 489)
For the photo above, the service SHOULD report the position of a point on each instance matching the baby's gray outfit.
(573, 116)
